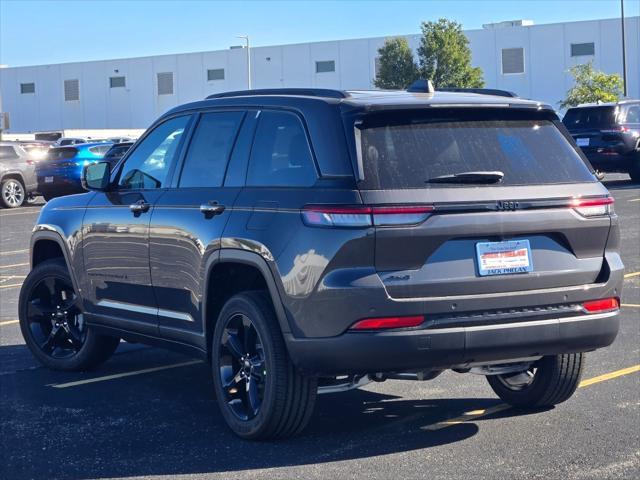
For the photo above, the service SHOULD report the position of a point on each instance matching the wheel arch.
(47, 244)
(247, 263)
(15, 175)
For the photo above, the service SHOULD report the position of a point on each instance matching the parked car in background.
(64, 141)
(120, 139)
(115, 153)
(17, 175)
(608, 134)
(59, 174)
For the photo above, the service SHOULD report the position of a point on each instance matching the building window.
(165, 83)
(215, 74)
(325, 66)
(71, 90)
(117, 82)
(583, 49)
(512, 61)
(27, 88)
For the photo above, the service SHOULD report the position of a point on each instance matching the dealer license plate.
(503, 258)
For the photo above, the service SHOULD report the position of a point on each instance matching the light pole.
(624, 56)
(246, 39)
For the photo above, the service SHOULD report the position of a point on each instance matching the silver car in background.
(17, 175)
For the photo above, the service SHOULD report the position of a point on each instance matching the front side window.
(281, 156)
(149, 163)
(208, 154)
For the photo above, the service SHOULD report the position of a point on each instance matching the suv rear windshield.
(399, 151)
(589, 117)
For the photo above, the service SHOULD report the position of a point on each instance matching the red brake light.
(602, 305)
(364, 216)
(387, 322)
(593, 207)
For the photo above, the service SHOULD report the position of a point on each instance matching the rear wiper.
(468, 177)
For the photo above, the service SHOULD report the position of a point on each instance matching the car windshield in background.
(429, 154)
(589, 117)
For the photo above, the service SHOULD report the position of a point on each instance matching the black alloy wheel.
(55, 319)
(242, 367)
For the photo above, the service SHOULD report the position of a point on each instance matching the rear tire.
(247, 346)
(52, 322)
(12, 193)
(553, 379)
(634, 173)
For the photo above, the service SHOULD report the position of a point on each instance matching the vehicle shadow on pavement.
(619, 184)
(168, 423)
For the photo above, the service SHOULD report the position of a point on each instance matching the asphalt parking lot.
(151, 413)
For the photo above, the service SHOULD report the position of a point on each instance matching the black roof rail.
(306, 92)
(482, 91)
(421, 86)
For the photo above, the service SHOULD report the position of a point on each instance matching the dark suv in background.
(307, 240)
(609, 135)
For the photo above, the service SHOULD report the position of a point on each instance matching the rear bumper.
(444, 348)
(59, 186)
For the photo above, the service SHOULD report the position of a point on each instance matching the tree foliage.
(592, 86)
(445, 56)
(396, 68)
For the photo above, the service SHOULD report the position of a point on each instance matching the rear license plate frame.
(506, 257)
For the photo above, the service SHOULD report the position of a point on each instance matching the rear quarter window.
(401, 152)
(281, 156)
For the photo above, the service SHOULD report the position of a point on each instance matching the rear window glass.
(589, 117)
(61, 153)
(408, 154)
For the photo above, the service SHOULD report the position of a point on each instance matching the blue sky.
(40, 32)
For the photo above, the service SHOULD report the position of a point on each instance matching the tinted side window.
(281, 156)
(633, 114)
(149, 163)
(209, 151)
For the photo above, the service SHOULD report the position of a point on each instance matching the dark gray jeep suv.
(307, 241)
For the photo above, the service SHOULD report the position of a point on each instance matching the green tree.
(396, 68)
(592, 86)
(445, 56)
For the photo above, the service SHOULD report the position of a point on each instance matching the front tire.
(550, 381)
(53, 325)
(260, 393)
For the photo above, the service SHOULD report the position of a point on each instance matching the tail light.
(593, 207)
(364, 216)
(601, 306)
(387, 322)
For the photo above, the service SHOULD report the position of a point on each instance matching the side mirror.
(96, 176)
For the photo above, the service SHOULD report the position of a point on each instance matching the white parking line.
(15, 265)
(121, 375)
(13, 252)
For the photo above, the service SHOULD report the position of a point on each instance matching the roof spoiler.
(482, 91)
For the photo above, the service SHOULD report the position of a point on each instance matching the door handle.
(139, 207)
(211, 208)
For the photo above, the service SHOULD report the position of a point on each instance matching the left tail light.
(593, 207)
(364, 216)
(386, 323)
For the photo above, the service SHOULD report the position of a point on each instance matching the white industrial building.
(531, 60)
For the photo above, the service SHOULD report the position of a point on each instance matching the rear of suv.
(307, 241)
(609, 135)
